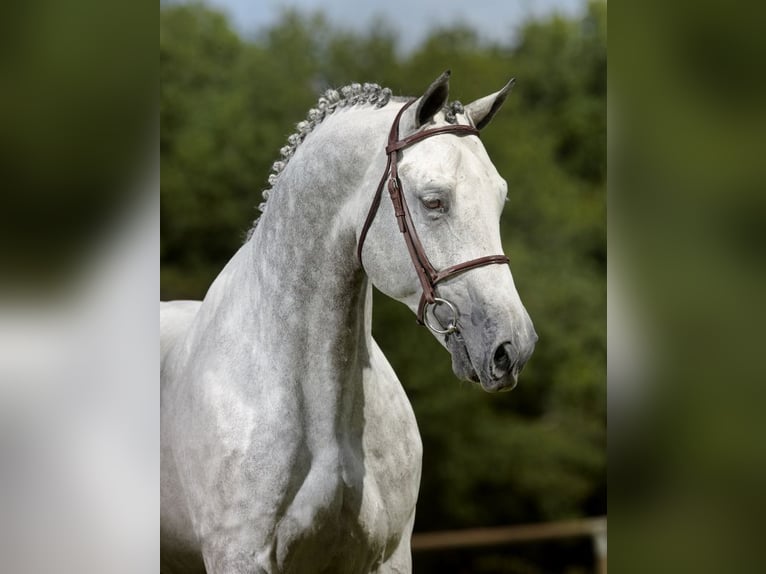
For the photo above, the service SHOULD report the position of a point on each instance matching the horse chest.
(348, 518)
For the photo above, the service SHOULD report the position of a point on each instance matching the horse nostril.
(502, 362)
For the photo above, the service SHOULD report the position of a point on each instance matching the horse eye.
(433, 203)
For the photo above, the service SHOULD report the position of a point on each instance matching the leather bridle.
(429, 277)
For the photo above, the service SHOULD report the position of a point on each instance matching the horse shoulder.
(389, 403)
(393, 454)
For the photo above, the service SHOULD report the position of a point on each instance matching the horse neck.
(303, 249)
(308, 301)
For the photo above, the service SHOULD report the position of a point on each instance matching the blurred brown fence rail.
(593, 527)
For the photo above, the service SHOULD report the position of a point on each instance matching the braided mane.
(328, 102)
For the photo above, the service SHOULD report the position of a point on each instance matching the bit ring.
(451, 326)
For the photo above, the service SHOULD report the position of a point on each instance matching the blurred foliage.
(688, 215)
(538, 453)
(75, 127)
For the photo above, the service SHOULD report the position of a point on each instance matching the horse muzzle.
(488, 354)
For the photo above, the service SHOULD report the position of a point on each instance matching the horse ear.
(483, 110)
(432, 100)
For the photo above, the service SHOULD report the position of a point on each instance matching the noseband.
(429, 277)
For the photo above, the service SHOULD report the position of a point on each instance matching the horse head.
(446, 269)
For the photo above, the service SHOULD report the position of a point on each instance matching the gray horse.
(288, 443)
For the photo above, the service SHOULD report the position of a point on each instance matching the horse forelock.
(367, 94)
